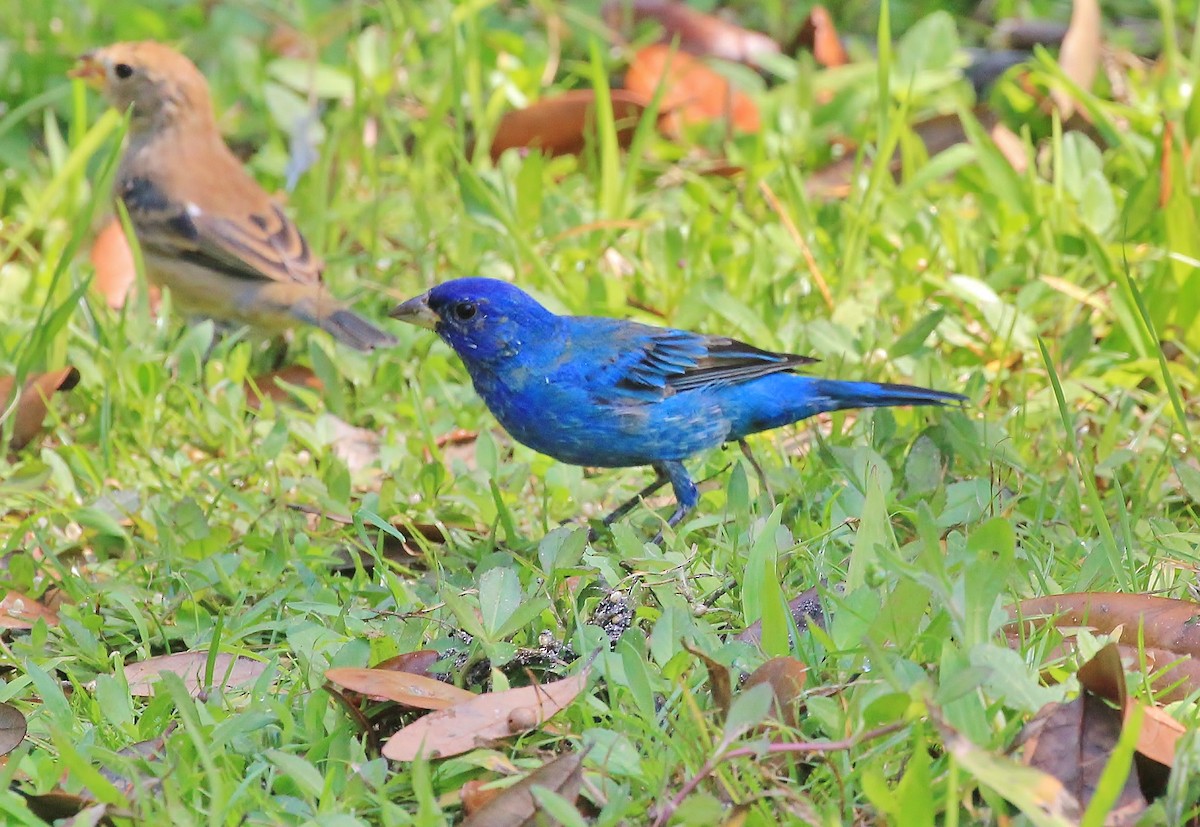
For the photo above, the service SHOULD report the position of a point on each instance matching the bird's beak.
(89, 69)
(416, 311)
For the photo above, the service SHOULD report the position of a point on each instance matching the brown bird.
(207, 230)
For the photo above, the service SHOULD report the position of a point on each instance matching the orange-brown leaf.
(563, 124)
(33, 402)
(483, 719)
(19, 611)
(692, 93)
(785, 676)
(402, 687)
(271, 385)
(698, 33)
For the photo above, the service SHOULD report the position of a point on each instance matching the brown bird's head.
(157, 84)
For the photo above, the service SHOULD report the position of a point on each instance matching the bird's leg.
(762, 477)
(686, 493)
(660, 479)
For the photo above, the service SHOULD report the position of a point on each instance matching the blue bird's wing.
(659, 362)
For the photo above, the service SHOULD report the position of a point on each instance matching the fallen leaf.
(1079, 56)
(563, 124)
(32, 404)
(718, 679)
(402, 687)
(12, 728)
(415, 663)
(1038, 794)
(819, 36)
(1104, 676)
(1073, 742)
(515, 806)
(228, 671)
(1162, 622)
(786, 677)
(357, 447)
(698, 33)
(483, 719)
(272, 385)
(19, 611)
(476, 794)
(693, 93)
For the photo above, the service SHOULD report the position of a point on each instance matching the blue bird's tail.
(880, 395)
(783, 398)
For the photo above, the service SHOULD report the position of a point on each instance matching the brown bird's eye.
(464, 311)
(123, 70)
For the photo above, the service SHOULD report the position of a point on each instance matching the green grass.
(158, 508)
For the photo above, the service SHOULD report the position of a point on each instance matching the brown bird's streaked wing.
(263, 244)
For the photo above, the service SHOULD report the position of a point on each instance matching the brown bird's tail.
(351, 329)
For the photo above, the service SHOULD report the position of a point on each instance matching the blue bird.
(613, 393)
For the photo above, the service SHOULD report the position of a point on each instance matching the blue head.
(485, 321)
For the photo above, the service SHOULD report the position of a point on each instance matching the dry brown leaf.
(402, 687)
(12, 728)
(357, 447)
(1104, 676)
(483, 719)
(786, 677)
(476, 794)
(718, 679)
(819, 35)
(268, 385)
(1163, 622)
(515, 805)
(414, 663)
(32, 404)
(693, 93)
(1080, 53)
(1073, 742)
(563, 124)
(228, 671)
(698, 33)
(20, 611)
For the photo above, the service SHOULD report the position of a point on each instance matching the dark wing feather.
(668, 361)
(265, 246)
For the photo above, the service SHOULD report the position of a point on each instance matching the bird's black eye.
(464, 311)
(123, 70)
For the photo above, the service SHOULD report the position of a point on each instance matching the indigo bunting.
(207, 230)
(613, 393)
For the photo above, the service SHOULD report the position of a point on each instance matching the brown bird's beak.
(416, 311)
(89, 69)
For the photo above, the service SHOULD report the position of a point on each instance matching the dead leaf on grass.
(405, 688)
(786, 678)
(718, 679)
(20, 611)
(563, 124)
(515, 806)
(273, 385)
(698, 33)
(483, 719)
(12, 728)
(228, 671)
(692, 92)
(819, 36)
(33, 401)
